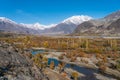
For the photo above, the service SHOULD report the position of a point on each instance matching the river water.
(89, 73)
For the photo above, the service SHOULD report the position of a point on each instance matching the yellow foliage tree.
(38, 60)
(45, 44)
(75, 75)
(52, 65)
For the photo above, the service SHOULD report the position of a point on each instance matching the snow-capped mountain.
(68, 25)
(109, 25)
(76, 24)
(4, 19)
(8, 25)
(65, 27)
(77, 19)
(72, 20)
(38, 26)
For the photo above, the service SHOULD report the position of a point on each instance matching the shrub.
(118, 65)
(52, 65)
(61, 57)
(73, 59)
(102, 68)
(46, 44)
(75, 75)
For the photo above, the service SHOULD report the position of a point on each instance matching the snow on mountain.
(38, 26)
(109, 25)
(72, 20)
(77, 19)
(4, 19)
(68, 25)
(65, 26)
(35, 26)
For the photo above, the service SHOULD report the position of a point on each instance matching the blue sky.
(54, 11)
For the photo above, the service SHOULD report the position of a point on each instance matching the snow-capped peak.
(77, 19)
(38, 26)
(7, 20)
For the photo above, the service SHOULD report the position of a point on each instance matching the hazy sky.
(54, 11)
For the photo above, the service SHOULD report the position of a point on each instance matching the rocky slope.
(104, 26)
(115, 27)
(14, 66)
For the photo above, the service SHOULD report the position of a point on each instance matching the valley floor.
(57, 58)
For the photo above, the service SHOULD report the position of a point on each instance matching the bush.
(52, 65)
(102, 68)
(118, 65)
(73, 59)
(75, 75)
(61, 57)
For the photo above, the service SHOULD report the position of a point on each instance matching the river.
(89, 73)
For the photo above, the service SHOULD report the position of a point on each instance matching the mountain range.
(109, 25)
(75, 25)
(65, 27)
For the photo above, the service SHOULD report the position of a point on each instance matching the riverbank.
(90, 69)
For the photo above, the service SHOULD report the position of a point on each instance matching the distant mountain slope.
(67, 26)
(11, 26)
(37, 26)
(113, 16)
(114, 27)
(104, 26)
(77, 24)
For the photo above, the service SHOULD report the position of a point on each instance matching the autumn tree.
(40, 61)
(118, 64)
(64, 45)
(46, 44)
(75, 75)
(45, 61)
(61, 66)
(52, 65)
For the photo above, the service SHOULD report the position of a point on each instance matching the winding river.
(89, 73)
